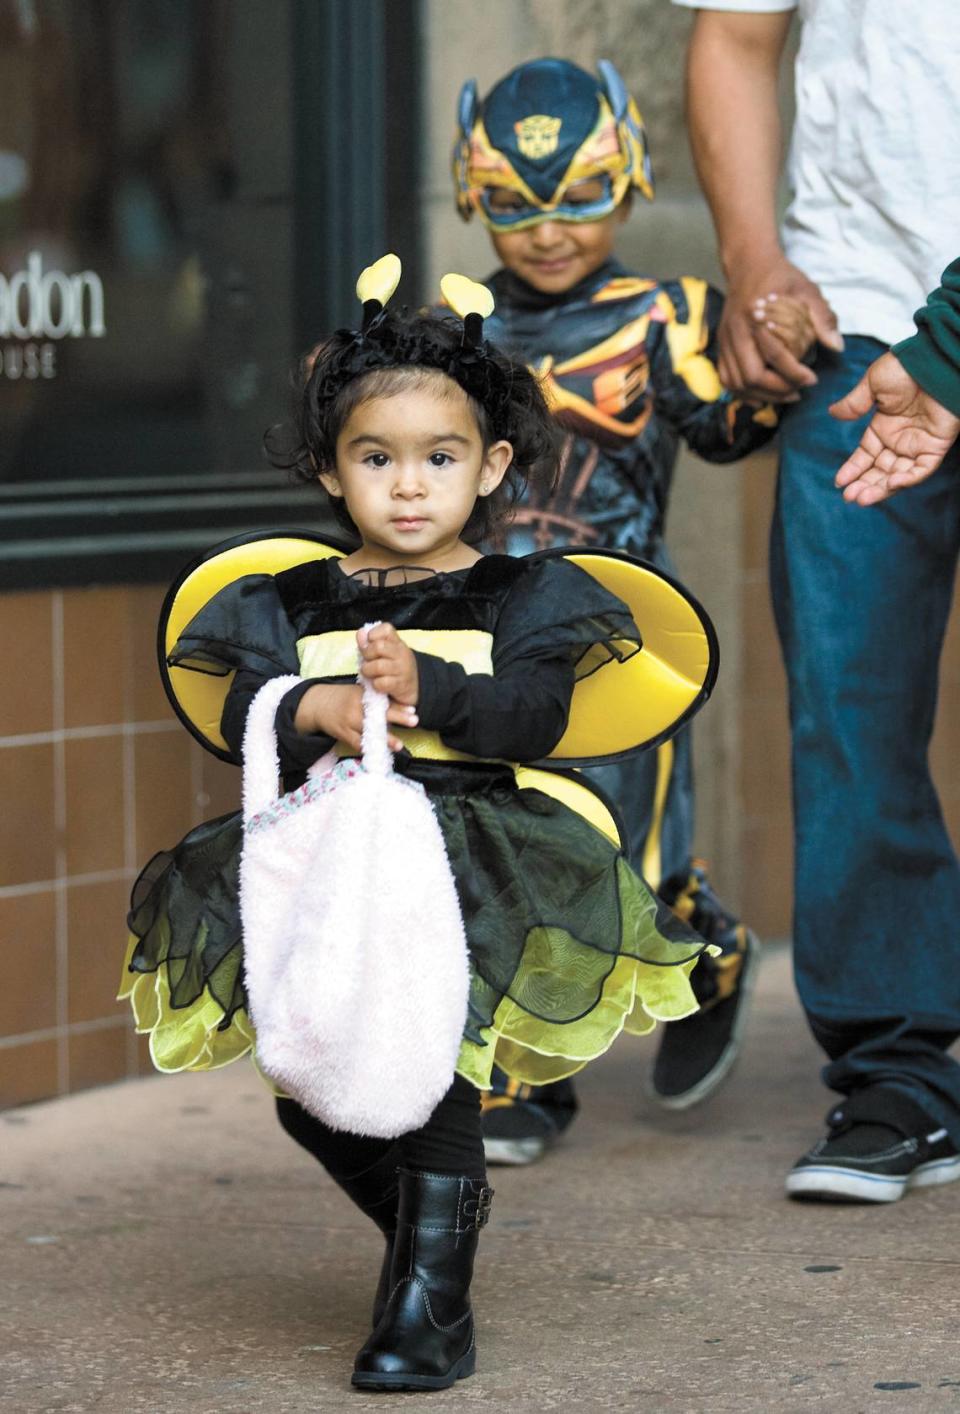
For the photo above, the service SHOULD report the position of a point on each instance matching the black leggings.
(451, 1141)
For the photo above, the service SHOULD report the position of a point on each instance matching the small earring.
(484, 488)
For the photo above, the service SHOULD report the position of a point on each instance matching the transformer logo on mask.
(38, 304)
(538, 135)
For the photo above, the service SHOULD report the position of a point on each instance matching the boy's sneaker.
(698, 1053)
(879, 1143)
(521, 1122)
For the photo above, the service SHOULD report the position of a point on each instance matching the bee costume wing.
(197, 693)
(619, 706)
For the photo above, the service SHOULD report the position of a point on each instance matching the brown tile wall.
(95, 775)
(766, 832)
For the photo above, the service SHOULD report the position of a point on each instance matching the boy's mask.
(550, 143)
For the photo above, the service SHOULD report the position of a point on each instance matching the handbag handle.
(261, 754)
(377, 756)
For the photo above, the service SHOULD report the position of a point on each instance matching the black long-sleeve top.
(518, 714)
(543, 624)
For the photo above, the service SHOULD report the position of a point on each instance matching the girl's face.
(410, 468)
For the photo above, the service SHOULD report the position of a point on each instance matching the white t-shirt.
(875, 154)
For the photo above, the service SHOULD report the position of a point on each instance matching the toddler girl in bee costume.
(422, 434)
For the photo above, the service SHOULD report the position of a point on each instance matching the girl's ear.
(330, 484)
(496, 464)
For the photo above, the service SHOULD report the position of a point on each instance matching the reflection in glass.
(143, 228)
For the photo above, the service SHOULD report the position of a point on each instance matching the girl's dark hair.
(401, 351)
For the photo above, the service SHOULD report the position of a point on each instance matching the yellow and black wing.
(198, 697)
(637, 703)
(623, 706)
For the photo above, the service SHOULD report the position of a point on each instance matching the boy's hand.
(390, 666)
(789, 320)
(336, 709)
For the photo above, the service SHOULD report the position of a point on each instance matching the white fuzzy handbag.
(355, 957)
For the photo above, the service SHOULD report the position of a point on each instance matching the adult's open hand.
(753, 362)
(904, 442)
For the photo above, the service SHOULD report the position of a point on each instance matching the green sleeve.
(932, 355)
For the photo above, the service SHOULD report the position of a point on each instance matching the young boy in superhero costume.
(549, 161)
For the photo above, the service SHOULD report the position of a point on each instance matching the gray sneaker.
(698, 1053)
(521, 1122)
(879, 1144)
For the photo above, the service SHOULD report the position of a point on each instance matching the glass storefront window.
(159, 184)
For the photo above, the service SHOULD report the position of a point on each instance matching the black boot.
(426, 1338)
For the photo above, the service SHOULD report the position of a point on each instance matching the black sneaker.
(521, 1122)
(697, 1054)
(879, 1144)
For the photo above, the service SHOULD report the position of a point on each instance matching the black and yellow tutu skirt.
(568, 946)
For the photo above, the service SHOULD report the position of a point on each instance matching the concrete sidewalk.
(165, 1248)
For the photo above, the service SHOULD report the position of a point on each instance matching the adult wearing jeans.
(861, 596)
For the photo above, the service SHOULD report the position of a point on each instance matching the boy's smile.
(553, 256)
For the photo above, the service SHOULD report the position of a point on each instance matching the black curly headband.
(384, 341)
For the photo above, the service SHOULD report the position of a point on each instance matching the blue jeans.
(861, 597)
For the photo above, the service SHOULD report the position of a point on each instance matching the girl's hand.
(789, 320)
(337, 710)
(389, 665)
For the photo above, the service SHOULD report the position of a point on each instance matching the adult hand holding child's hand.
(755, 360)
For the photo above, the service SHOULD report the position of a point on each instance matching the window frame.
(352, 65)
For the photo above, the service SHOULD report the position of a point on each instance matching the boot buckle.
(484, 1202)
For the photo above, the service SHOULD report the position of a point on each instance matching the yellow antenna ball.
(466, 296)
(379, 280)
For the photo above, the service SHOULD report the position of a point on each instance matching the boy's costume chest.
(594, 352)
(594, 349)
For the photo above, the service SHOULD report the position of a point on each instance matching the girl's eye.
(377, 459)
(440, 458)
